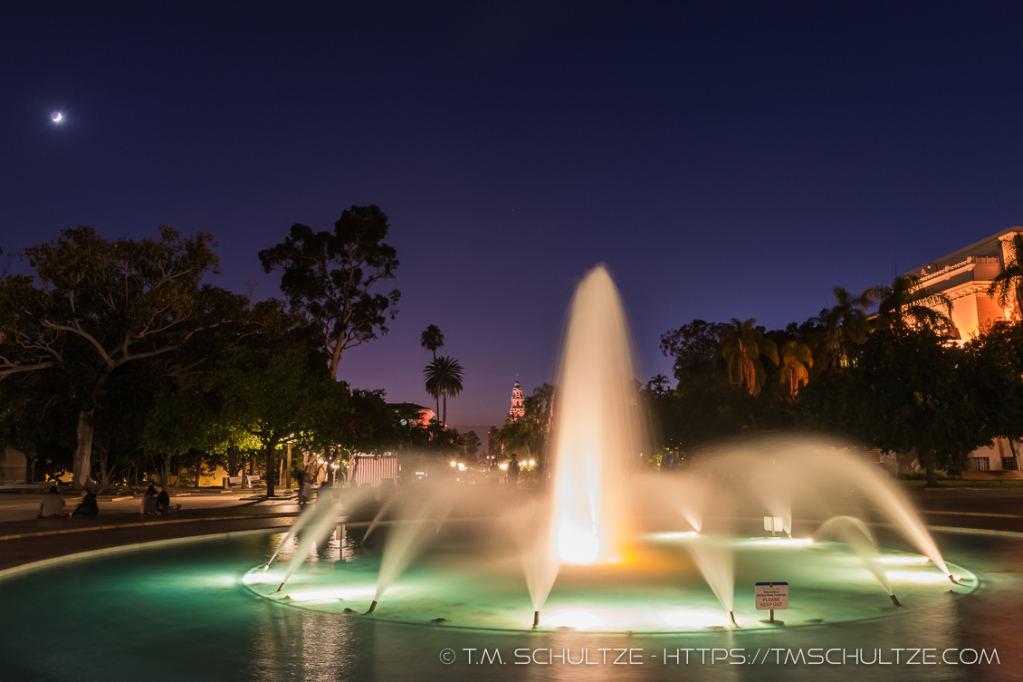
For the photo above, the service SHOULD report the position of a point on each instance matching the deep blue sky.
(724, 159)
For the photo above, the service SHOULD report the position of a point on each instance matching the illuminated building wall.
(965, 277)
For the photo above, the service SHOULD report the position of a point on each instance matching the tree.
(269, 395)
(907, 392)
(658, 386)
(742, 345)
(443, 378)
(846, 323)
(1007, 287)
(796, 361)
(329, 277)
(694, 347)
(905, 306)
(38, 417)
(998, 377)
(431, 340)
(100, 305)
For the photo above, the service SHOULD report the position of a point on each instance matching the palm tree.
(742, 344)
(796, 361)
(431, 340)
(443, 378)
(1007, 288)
(846, 323)
(906, 305)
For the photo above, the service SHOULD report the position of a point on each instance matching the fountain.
(606, 543)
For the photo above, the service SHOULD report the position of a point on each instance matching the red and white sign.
(772, 596)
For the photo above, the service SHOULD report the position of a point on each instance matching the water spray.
(536, 619)
(372, 608)
(894, 600)
(731, 615)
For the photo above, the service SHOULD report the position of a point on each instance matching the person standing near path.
(513, 470)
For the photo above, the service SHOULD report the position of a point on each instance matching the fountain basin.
(657, 590)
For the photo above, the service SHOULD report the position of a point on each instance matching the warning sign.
(772, 596)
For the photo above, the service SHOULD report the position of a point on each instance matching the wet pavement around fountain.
(184, 612)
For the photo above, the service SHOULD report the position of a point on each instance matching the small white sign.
(772, 596)
(774, 524)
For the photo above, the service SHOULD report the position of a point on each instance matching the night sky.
(724, 159)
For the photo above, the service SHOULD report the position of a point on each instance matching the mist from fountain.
(854, 532)
(715, 558)
(820, 474)
(321, 518)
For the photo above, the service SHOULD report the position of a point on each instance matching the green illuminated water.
(183, 612)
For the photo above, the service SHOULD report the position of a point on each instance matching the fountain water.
(589, 524)
(854, 532)
(598, 429)
(321, 518)
(598, 433)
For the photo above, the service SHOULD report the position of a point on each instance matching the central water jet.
(598, 426)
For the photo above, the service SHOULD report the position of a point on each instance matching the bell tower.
(517, 409)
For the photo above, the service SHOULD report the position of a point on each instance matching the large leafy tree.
(905, 305)
(742, 346)
(908, 392)
(694, 347)
(329, 277)
(998, 378)
(444, 377)
(38, 419)
(94, 306)
(268, 394)
(1007, 287)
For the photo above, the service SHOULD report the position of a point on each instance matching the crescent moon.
(56, 117)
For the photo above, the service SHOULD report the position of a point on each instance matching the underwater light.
(261, 577)
(345, 593)
(580, 619)
(903, 560)
(661, 537)
(922, 577)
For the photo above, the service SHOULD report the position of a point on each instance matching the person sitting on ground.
(89, 506)
(163, 504)
(52, 506)
(149, 501)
